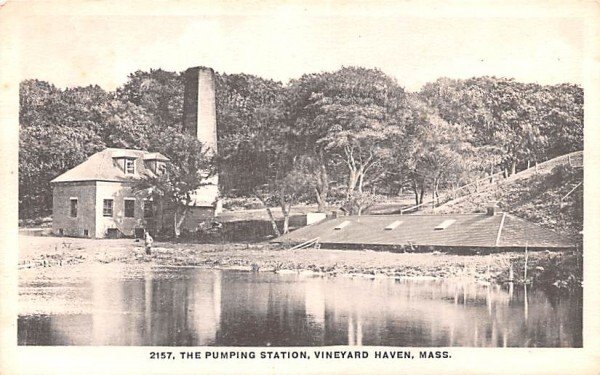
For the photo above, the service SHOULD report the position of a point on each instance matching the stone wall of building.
(83, 225)
(118, 192)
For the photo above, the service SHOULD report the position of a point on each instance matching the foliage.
(159, 93)
(189, 169)
(61, 128)
(247, 116)
(346, 122)
(526, 122)
(440, 154)
(359, 202)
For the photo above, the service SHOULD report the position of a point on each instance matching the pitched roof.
(102, 166)
(459, 230)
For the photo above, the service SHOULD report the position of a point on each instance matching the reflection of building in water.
(229, 309)
(355, 336)
(314, 300)
(204, 307)
(426, 313)
(115, 308)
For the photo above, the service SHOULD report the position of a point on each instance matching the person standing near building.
(148, 242)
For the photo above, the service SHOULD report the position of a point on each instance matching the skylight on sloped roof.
(393, 225)
(342, 225)
(444, 224)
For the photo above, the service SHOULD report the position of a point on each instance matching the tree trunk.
(322, 188)
(273, 222)
(352, 180)
(321, 206)
(175, 228)
(177, 222)
(285, 210)
(361, 176)
(433, 195)
(513, 167)
(270, 213)
(416, 191)
(160, 217)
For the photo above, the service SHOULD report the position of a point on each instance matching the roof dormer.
(155, 162)
(126, 161)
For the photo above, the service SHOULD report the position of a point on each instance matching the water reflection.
(194, 307)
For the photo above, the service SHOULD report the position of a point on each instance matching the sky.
(73, 50)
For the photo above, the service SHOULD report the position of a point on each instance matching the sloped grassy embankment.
(550, 196)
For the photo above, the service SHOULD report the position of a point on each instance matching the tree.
(560, 110)
(159, 93)
(344, 117)
(263, 166)
(429, 153)
(244, 104)
(126, 125)
(526, 122)
(358, 202)
(58, 130)
(45, 153)
(189, 168)
(292, 183)
(438, 153)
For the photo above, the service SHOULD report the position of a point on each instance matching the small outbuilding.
(96, 199)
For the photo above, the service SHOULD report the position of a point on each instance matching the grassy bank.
(552, 198)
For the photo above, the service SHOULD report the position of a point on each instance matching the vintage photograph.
(300, 179)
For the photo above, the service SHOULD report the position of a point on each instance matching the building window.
(148, 209)
(129, 207)
(86, 232)
(129, 166)
(73, 207)
(107, 208)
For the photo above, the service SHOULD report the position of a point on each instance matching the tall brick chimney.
(200, 120)
(199, 105)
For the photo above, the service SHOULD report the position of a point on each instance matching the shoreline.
(44, 256)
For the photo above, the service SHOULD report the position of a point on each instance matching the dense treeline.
(352, 136)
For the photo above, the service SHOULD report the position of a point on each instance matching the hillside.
(536, 194)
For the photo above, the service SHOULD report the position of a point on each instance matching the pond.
(201, 307)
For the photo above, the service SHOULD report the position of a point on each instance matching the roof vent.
(393, 225)
(444, 224)
(491, 209)
(342, 225)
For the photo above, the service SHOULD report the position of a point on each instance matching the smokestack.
(200, 120)
(199, 106)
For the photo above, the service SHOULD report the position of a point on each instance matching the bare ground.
(52, 257)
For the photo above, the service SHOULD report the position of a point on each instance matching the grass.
(535, 197)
